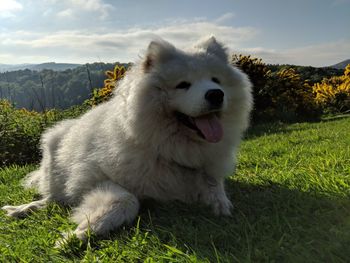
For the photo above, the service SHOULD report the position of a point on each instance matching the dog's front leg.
(212, 192)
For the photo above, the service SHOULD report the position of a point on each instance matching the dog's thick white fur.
(170, 132)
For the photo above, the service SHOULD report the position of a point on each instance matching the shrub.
(104, 94)
(291, 97)
(333, 94)
(19, 134)
(258, 74)
(281, 95)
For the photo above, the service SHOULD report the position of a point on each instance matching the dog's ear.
(158, 51)
(212, 46)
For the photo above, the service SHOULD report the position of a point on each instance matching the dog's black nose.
(215, 97)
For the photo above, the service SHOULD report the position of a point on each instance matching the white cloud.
(80, 10)
(225, 18)
(67, 13)
(115, 44)
(76, 7)
(10, 5)
(122, 45)
(8, 8)
(329, 53)
(91, 5)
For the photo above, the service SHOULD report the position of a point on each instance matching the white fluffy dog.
(170, 132)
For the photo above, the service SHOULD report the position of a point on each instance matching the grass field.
(291, 193)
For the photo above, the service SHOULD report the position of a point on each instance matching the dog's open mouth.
(207, 126)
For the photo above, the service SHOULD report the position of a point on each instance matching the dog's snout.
(215, 97)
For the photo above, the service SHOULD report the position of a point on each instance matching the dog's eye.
(216, 80)
(183, 85)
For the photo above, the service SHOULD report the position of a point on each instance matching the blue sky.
(308, 32)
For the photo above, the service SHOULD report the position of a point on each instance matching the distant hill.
(341, 65)
(54, 66)
(9, 67)
(38, 67)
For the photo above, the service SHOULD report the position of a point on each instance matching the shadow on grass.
(270, 222)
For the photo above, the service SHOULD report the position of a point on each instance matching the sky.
(302, 32)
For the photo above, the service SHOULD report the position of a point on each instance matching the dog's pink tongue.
(210, 126)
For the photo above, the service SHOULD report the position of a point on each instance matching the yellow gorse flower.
(106, 92)
(329, 90)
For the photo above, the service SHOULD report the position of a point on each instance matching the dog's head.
(199, 86)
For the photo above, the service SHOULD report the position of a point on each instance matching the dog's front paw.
(213, 194)
(71, 237)
(222, 206)
(219, 202)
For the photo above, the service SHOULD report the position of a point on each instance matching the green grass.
(291, 193)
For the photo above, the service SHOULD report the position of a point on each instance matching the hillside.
(14, 67)
(54, 66)
(45, 89)
(341, 65)
(38, 67)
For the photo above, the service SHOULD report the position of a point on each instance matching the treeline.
(47, 89)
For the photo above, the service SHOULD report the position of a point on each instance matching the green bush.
(19, 134)
(20, 131)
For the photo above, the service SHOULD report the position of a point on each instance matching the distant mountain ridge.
(64, 66)
(38, 67)
(341, 65)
